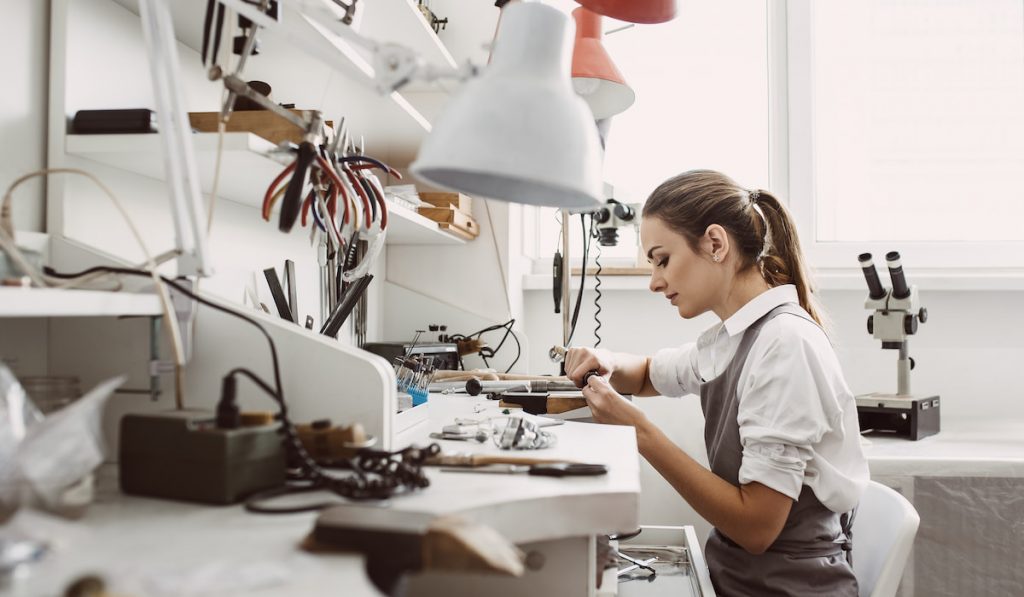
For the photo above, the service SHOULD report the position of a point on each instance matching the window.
(906, 124)
(701, 82)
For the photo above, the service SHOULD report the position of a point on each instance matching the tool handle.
(292, 204)
(482, 459)
(348, 302)
(568, 470)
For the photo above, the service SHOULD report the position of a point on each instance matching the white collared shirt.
(797, 417)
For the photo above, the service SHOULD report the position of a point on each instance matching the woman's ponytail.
(782, 261)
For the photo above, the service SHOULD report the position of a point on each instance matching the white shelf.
(406, 227)
(389, 119)
(249, 165)
(247, 168)
(50, 302)
(400, 22)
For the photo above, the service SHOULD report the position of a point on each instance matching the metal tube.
(903, 372)
(875, 290)
(900, 290)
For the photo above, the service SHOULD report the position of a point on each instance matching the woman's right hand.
(580, 361)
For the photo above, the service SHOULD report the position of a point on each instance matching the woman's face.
(688, 279)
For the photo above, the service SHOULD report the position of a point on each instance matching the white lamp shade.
(518, 132)
(605, 98)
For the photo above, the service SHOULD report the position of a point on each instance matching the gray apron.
(811, 554)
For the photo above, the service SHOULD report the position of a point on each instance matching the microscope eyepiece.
(900, 290)
(875, 290)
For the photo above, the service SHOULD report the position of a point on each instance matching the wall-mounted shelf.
(248, 166)
(286, 50)
(400, 21)
(52, 302)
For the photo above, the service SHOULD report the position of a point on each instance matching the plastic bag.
(17, 415)
(49, 461)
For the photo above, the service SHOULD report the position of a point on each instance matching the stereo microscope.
(897, 314)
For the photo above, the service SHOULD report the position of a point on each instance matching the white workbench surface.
(963, 448)
(570, 506)
(133, 541)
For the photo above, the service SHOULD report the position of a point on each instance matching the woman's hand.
(609, 407)
(579, 361)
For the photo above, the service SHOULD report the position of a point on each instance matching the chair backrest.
(883, 533)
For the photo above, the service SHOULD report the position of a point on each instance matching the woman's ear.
(715, 242)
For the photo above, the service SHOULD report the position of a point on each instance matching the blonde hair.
(758, 222)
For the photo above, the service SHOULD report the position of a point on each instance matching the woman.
(781, 426)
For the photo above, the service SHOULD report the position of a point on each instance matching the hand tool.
(474, 387)
(562, 469)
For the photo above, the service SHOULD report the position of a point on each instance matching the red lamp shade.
(594, 76)
(633, 11)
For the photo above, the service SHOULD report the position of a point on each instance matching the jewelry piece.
(715, 257)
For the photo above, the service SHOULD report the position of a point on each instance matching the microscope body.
(897, 315)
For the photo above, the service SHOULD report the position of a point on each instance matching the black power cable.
(583, 275)
(487, 352)
(597, 285)
(377, 474)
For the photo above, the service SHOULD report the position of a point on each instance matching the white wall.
(24, 45)
(462, 286)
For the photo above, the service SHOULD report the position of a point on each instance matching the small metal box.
(182, 455)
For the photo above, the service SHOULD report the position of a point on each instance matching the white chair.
(883, 533)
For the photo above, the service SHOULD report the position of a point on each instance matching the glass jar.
(51, 393)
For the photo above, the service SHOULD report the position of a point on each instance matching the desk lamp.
(594, 76)
(897, 313)
(516, 132)
(634, 11)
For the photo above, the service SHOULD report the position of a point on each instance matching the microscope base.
(910, 417)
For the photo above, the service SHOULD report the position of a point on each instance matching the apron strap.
(846, 540)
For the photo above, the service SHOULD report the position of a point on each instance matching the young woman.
(781, 428)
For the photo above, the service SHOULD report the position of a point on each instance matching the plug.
(229, 416)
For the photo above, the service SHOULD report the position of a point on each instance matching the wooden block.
(454, 217)
(455, 231)
(463, 203)
(264, 123)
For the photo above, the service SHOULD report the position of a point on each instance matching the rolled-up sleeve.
(782, 412)
(673, 371)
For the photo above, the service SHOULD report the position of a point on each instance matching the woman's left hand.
(608, 406)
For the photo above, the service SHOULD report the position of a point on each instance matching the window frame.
(543, 264)
(792, 170)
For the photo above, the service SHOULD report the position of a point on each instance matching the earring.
(715, 257)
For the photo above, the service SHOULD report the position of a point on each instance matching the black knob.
(871, 324)
(912, 363)
(433, 327)
(474, 387)
(923, 315)
(603, 215)
(624, 212)
(910, 324)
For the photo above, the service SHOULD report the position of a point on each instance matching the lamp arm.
(394, 65)
(240, 87)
